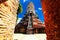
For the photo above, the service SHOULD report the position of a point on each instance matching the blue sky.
(38, 8)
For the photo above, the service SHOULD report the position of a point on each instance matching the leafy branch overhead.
(19, 9)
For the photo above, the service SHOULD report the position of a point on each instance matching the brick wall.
(51, 9)
(8, 14)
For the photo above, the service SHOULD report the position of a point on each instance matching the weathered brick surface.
(8, 14)
(51, 9)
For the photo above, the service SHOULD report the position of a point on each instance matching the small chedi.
(51, 9)
(30, 23)
(8, 14)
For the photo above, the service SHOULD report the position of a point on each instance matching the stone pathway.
(30, 37)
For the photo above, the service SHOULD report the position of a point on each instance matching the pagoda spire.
(30, 8)
(30, 22)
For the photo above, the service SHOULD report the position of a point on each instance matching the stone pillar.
(51, 9)
(8, 16)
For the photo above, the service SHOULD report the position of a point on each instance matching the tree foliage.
(19, 9)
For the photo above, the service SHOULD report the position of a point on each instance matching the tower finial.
(30, 7)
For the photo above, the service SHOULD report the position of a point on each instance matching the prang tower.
(30, 22)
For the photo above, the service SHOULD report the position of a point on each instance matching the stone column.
(8, 16)
(51, 9)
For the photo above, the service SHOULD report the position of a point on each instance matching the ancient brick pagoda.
(30, 23)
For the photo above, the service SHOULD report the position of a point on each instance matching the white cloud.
(40, 8)
(24, 0)
(19, 19)
(43, 22)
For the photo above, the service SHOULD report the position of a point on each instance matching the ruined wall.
(8, 14)
(51, 9)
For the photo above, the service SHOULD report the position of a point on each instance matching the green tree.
(19, 10)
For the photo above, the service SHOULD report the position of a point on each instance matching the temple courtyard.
(29, 37)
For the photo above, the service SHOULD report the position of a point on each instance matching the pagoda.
(30, 23)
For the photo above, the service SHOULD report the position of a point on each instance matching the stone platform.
(29, 37)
